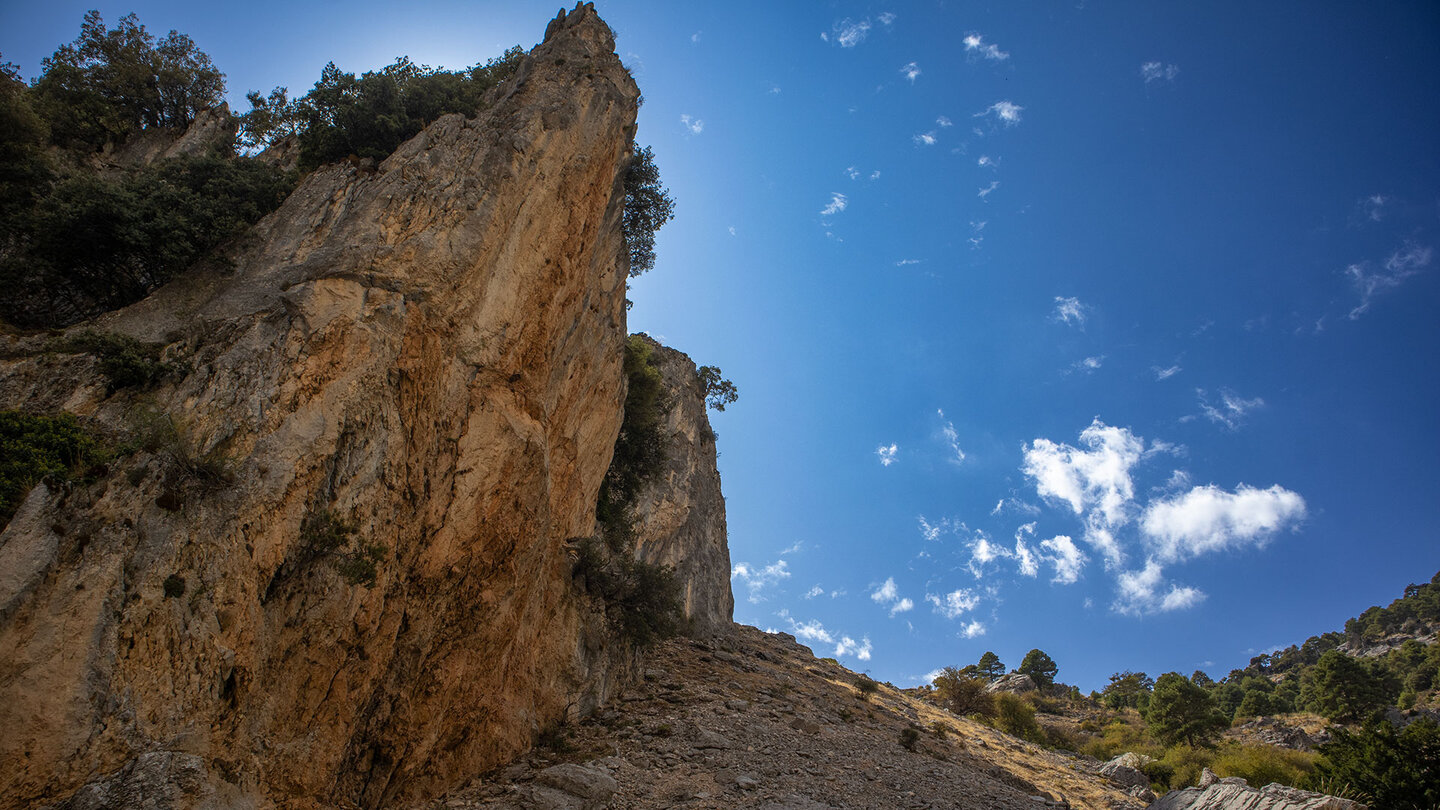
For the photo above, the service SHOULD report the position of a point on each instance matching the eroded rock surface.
(428, 351)
(680, 516)
(1233, 793)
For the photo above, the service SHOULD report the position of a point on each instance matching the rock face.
(1126, 770)
(1015, 683)
(680, 516)
(416, 365)
(1233, 793)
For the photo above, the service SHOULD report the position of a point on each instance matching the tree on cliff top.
(647, 206)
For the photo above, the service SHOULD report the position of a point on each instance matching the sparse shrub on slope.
(963, 695)
(34, 448)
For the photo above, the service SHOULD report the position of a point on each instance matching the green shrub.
(647, 207)
(34, 448)
(125, 361)
(962, 695)
(1384, 767)
(1016, 717)
(909, 738)
(640, 448)
(324, 534)
(1263, 764)
(1183, 764)
(866, 686)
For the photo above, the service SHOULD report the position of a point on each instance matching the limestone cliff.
(416, 365)
(680, 516)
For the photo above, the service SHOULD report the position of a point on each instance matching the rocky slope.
(415, 365)
(751, 719)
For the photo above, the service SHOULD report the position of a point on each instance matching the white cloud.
(848, 33)
(910, 71)
(952, 604)
(849, 646)
(932, 532)
(1089, 364)
(1065, 556)
(1013, 504)
(1156, 71)
(886, 592)
(1402, 264)
(814, 592)
(901, 606)
(985, 161)
(1373, 207)
(1231, 410)
(1098, 477)
(985, 192)
(983, 552)
(695, 125)
(885, 17)
(732, 230)
(1165, 373)
(1070, 311)
(837, 204)
(924, 139)
(758, 580)
(811, 631)
(973, 629)
(906, 262)
(1006, 112)
(943, 122)
(1140, 592)
(852, 173)
(975, 43)
(887, 454)
(1207, 519)
(1025, 559)
(952, 438)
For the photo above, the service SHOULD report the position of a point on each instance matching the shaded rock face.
(211, 129)
(1233, 793)
(430, 352)
(680, 515)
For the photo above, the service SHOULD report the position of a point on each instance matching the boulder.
(1015, 683)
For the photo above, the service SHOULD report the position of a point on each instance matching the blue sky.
(1103, 328)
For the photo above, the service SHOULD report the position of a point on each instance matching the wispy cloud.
(1158, 71)
(1370, 282)
(1165, 373)
(951, 605)
(907, 262)
(758, 580)
(976, 44)
(985, 162)
(911, 71)
(885, 17)
(952, 438)
(1006, 112)
(1141, 592)
(847, 33)
(695, 125)
(1230, 410)
(943, 122)
(1372, 208)
(1065, 556)
(837, 204)
(976, 237)
(1088, 365)
(925, 139)
(814, 592)
(887, 453)
(1070, 311)
(985, 192)
(814, 631)
(848, 646)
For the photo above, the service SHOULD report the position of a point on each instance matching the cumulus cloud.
(1143, 591)
(1065, 557)
(1095, 482)
(943, 122)
(973, 629)
(814, 631)
(814, 592)
(888, 594)
(1207, 519)
(1370, 282)
(975, 44)
(1230, 411)
(1006, 112)
(887, 454)
(757, 580)
(1070, 311)
(695, 125)
(1025, 559)
(924, 139)
(849, 646)
(984, 552)
(910, 71)
(837, 204)
(951, 605)
(1158, 71)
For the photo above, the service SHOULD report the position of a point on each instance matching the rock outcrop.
(1016, 683)
(413, 367)
(680, 515)
(1233, 793)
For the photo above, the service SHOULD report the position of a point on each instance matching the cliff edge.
(333, 568)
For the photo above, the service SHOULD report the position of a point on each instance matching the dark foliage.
(93, 243)
(647, 207)
(35, 448)
(368, 116)
(125, 361)
(641, 601)
(641, 447)
(323, 534)
(1128, 690)
(1040, 667)
(719, 392)
(990, 666)
(1389, 769)
(963, 695)
(108, 84)
(1181, 712)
